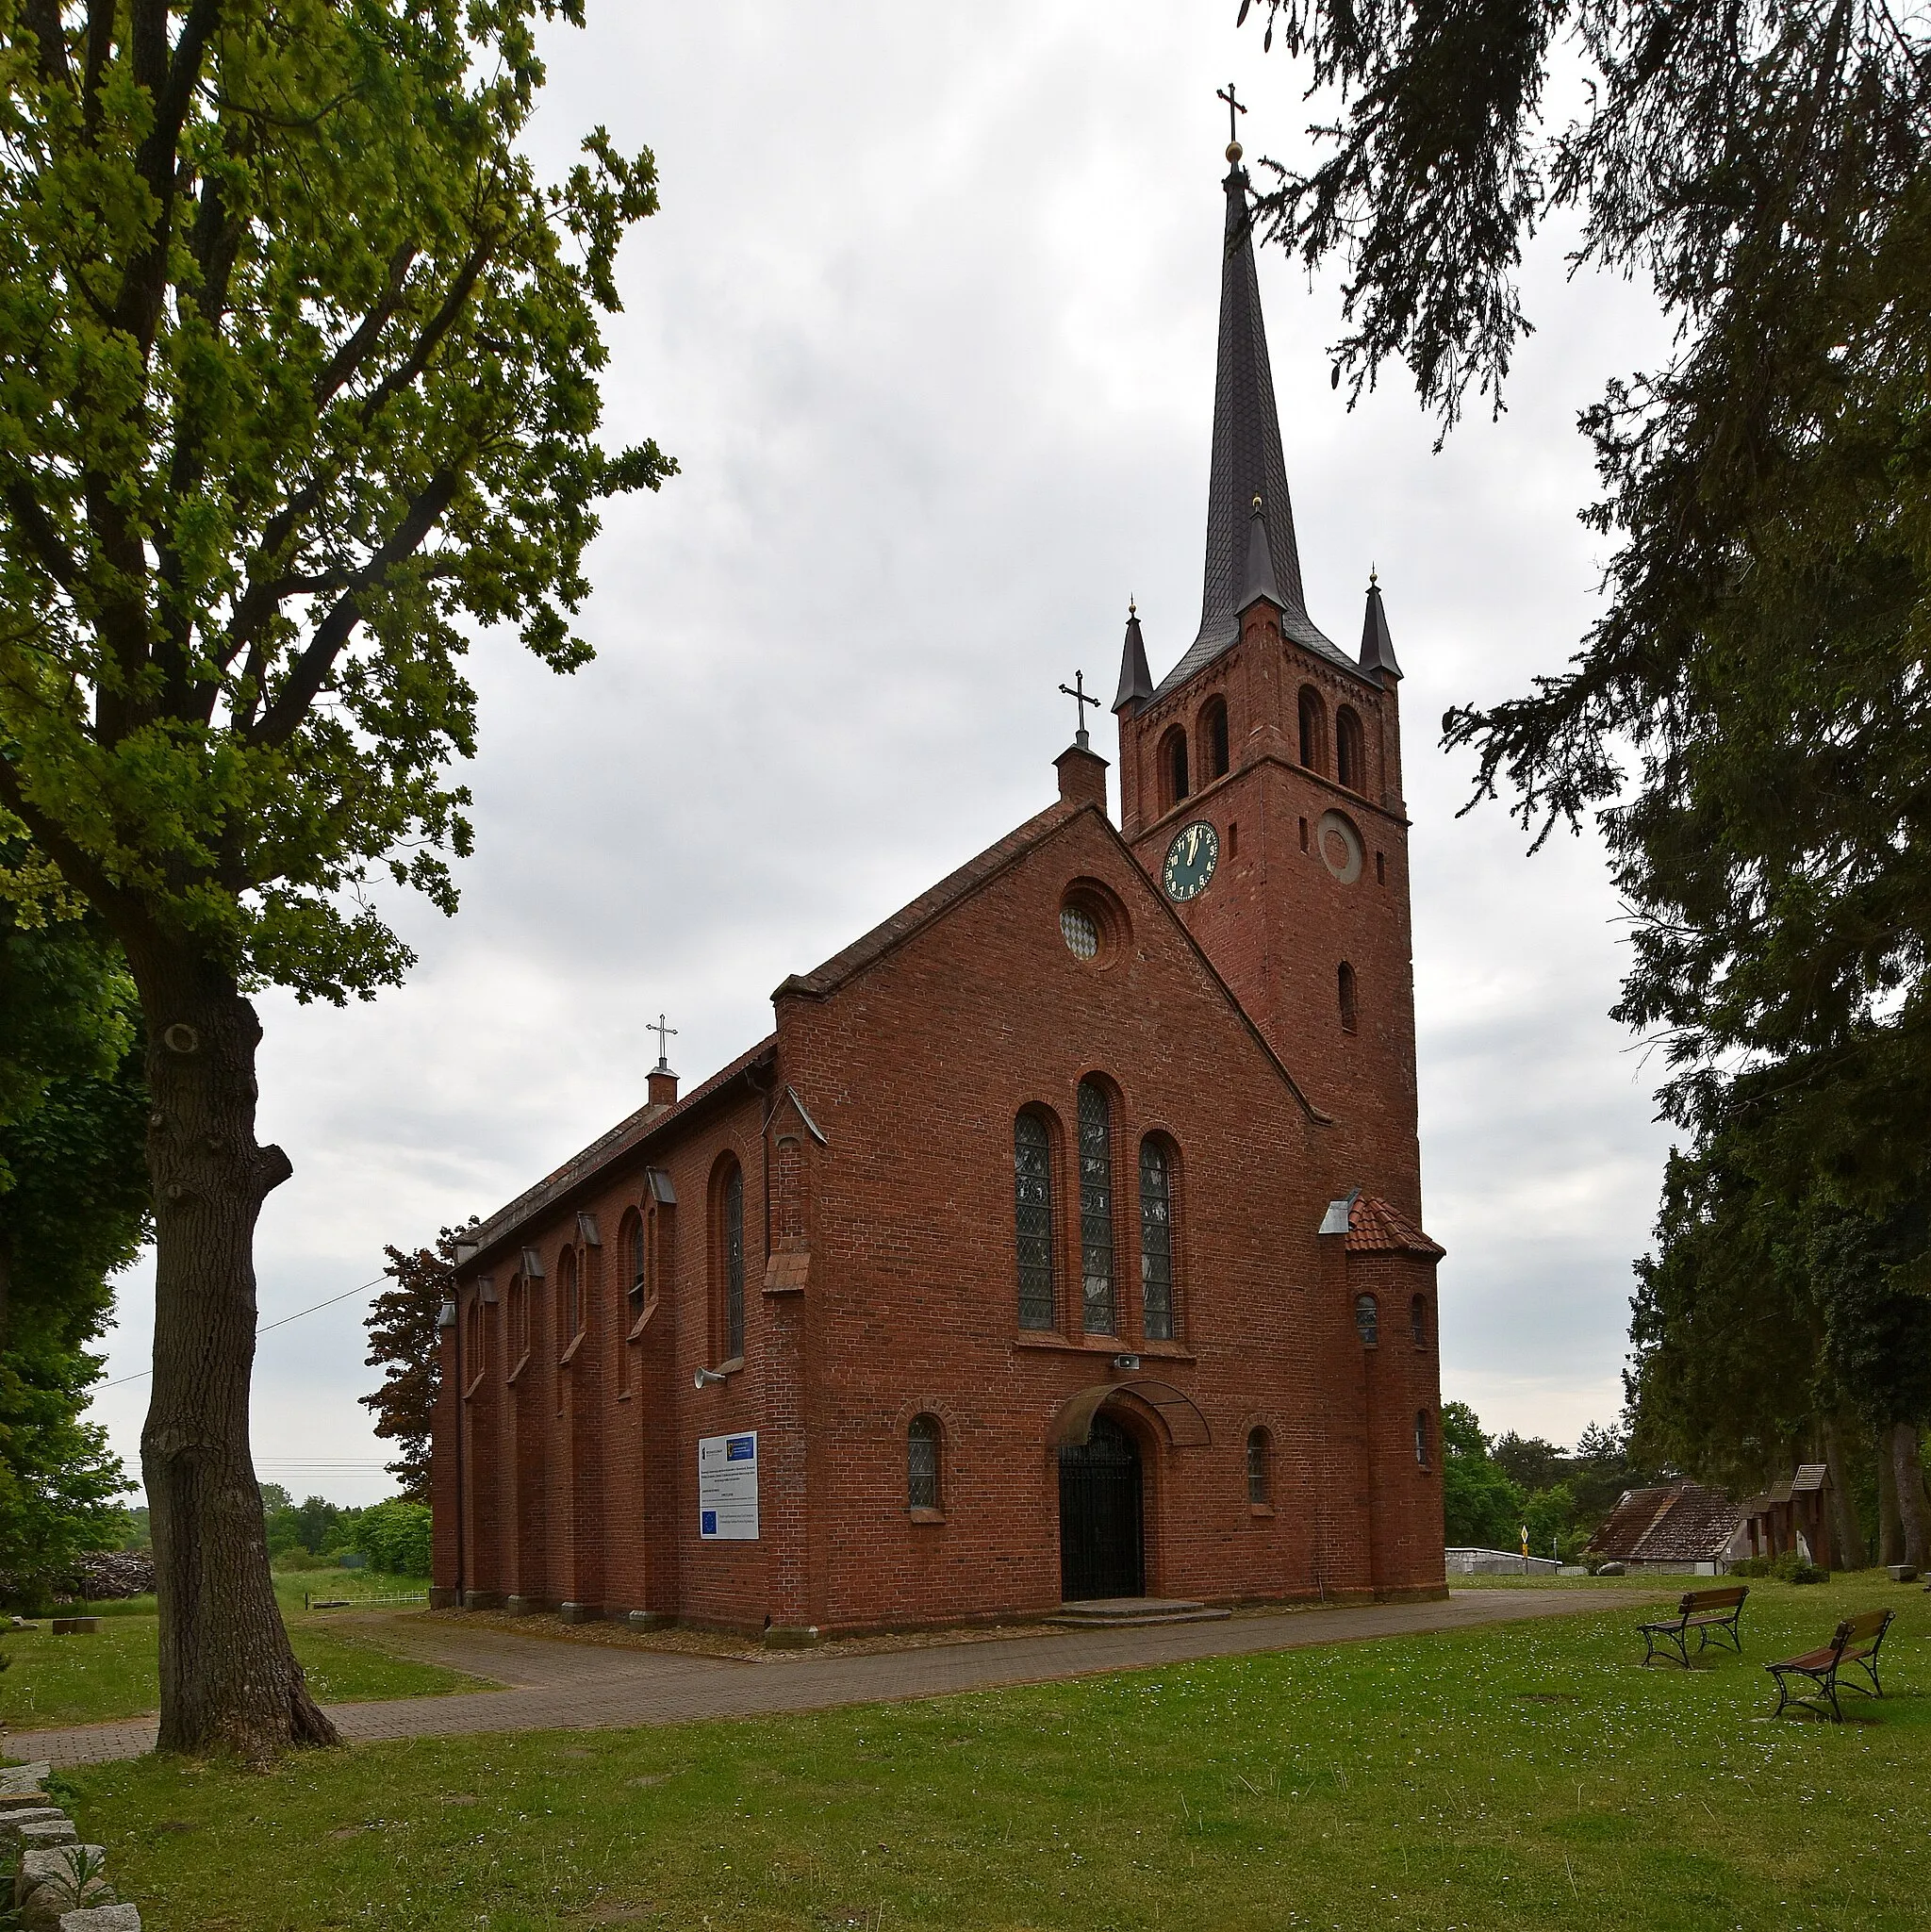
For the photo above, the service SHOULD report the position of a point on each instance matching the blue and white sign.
(728, 1488)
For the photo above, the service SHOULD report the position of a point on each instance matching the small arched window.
(1032, 1219)
(1351, 748)
(1418, 1320)
(1156, 1241)
(1259, 1455)
(1421, 1437)
(1314, 730)
(727, 1283)
(1173, 766)
(922, 1464)
(569, 1299)
(1100, 1309)
(1345, 986)
(1213, 744)
(1367, 1320)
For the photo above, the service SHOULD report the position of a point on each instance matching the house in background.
(1678, 1527)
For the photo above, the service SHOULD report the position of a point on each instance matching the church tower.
(1261, 778)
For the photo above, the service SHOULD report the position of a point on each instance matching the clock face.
(1190, 860)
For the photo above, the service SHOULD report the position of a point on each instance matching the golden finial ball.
(1234, 150)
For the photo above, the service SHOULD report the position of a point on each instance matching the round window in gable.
(1092, 922)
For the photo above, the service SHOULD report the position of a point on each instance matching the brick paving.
(552, 1684)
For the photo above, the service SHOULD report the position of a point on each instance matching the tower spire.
(1136, 681)
(1247, 460)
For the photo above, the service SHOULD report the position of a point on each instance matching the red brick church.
(1062, 1239)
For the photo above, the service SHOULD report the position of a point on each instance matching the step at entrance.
(1134, 1613)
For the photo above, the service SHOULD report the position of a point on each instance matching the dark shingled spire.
(1247, 463)
(1136, 681)
(1377, 646)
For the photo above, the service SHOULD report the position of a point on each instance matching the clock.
(1190, 861)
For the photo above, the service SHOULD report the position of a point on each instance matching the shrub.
(396, 1536)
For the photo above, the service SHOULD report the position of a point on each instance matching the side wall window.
(1259, 1473)
(1345, 990)
(1032, 1219)
(727, 1283)
(1418, 1320)
(1100, 1309)
(1314, 730)
(1156, 1241)
(518, 1320)
(1367, 1320)
(1421, 1437)
(569, 1299)
(1350, 750)
(922, 1464)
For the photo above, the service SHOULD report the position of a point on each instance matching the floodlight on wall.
(1126, 1362)
(705, 1377)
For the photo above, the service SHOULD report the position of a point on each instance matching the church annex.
(1062, 1239)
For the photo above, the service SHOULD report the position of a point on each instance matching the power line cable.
(121, 1381)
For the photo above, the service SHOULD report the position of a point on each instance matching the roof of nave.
(1374, 1228)
(648, 1123)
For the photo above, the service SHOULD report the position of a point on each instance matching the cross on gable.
(665, 1034)
(1077, 692)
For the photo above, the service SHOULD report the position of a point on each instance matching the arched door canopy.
(1178, 1416)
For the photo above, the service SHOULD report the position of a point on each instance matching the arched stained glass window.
(1032, 1219)
(1418, 1320)
(733, 1232)
(634, 1261)
(1099, 1311)
(1367, 1320)
(1156, 1242)
(922, 1464)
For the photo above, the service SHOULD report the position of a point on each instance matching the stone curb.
(59, 1884)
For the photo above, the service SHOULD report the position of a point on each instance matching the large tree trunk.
(1847, 1533)
(1891, 1530)
(229, 1680)
(1914, 1511)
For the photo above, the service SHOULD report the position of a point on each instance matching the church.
(1062, 1242)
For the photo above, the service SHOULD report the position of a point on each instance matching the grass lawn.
(1512, 1777)
(58, 1680)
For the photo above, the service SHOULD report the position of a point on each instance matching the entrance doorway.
(1101, 1552)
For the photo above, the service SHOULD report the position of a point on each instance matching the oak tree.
(299, 392)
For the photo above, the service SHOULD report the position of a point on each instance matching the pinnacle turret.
(1136, 681)
(1377, 646)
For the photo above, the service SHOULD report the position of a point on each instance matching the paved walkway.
(552, 1684)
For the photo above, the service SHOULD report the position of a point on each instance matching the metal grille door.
(1099, 1516)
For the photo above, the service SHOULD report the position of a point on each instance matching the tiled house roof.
(1374, 1228)
(1679, 1522)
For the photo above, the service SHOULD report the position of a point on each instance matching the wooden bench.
(1856, 1643)
(1708, 1613)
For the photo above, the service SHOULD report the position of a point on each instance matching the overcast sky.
(928, 319)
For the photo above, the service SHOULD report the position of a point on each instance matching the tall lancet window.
(1100, 1309)
(1032, 1219)
(1156, 1242)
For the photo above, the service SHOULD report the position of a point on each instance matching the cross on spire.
(1077, 692)
(665, 1034)
(1234, 108)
